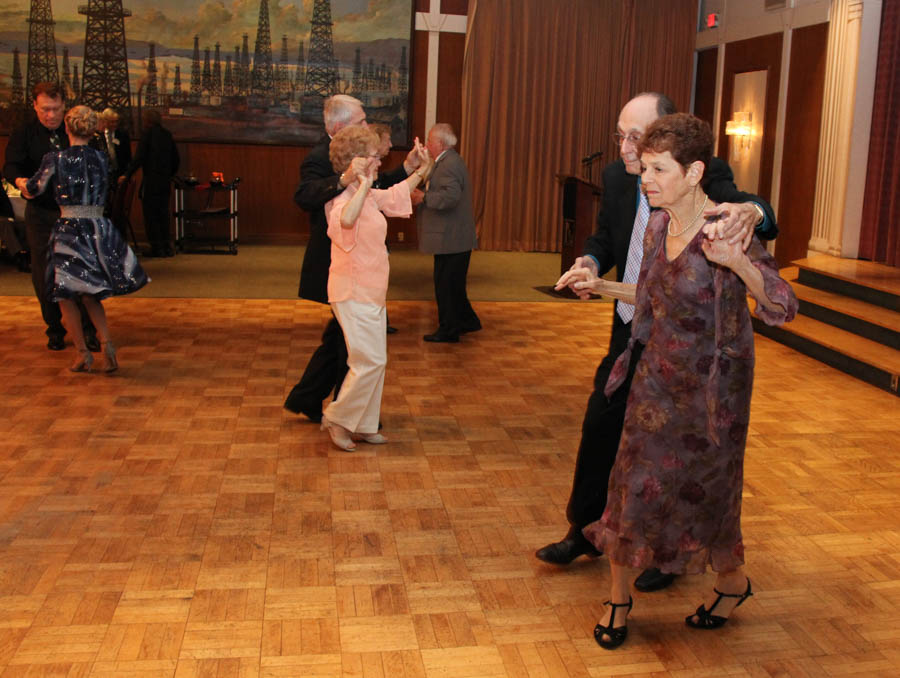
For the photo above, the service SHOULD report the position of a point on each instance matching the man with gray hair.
(319, 183)
(446, 226)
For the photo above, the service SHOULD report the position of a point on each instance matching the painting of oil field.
(223, 71)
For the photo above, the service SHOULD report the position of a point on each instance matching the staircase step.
(868, 360)
(873, 283)
(859, 317)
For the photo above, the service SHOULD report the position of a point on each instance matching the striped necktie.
(635, 253)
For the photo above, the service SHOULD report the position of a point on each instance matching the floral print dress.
(675, 489)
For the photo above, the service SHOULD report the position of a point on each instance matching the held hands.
(581, 278)
(724, 252)
(417, 197)
(426, 167)
(735, 222)
(21, 182)
(413, 158)
(357, 168)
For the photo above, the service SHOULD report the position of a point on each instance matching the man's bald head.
(634, 119)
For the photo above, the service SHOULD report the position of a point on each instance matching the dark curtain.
(543, 82)
(880, 237)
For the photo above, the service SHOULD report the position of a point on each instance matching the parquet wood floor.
(173, 520)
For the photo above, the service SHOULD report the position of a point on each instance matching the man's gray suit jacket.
(445, 221)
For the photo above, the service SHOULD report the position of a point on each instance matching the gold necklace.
(690, 225)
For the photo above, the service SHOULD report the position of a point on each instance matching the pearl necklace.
(693, 221)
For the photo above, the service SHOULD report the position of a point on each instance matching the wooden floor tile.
(173, 520)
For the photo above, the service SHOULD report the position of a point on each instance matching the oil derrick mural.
(195, 72)
(151, 93)
(42, 66)
(216, 89)
(300, 76)
(204, 77)
(263, 80)
(284, 80)
(244, 83)
(402, 76)
(66, 82)
(177, 94)
(228, 86)
(358, 84)
(104, 78)
(321, 73)
(18, 94)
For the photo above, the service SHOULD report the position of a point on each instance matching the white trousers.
(358, 406)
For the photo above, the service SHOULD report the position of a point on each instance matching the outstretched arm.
(38, 183)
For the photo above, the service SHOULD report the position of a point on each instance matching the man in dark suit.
(611, 245)
(24, 152)
(446, 226)
(318, 184)
(158, 156)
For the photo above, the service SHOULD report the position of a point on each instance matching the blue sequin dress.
(87, 255)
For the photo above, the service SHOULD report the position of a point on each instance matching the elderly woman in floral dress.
(675, 490)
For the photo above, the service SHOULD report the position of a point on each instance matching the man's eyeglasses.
(633, 138)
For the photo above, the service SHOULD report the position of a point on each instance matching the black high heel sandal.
(706, 619)
(616, 636)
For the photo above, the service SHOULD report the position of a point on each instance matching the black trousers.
(600, 434)
(155, 207)
(455, 313)
(38, 226)
(324, 372)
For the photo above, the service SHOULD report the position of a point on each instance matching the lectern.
(579, 211)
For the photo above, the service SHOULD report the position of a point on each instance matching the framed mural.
(220, 71)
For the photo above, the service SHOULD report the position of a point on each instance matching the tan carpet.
(273, 272)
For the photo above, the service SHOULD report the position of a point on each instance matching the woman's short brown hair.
(685, 136)
(81, 121)
(351, 142)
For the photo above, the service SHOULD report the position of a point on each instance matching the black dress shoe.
(440, 338)
(56, 344)
(311, 413)
(565, 551)
(92, 343)
(391, 330)
(653, 580)
(471, 328)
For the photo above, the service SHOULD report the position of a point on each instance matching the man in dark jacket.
(158, 156)
(24, 152)
(611, 245)
(318, 184)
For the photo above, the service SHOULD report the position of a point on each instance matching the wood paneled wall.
(762, 53)
(705, 84)
(802, 122)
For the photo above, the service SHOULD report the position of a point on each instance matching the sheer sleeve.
(38, 183)
(393, 201)
(777, 288)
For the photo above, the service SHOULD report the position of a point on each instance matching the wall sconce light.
(741, 126)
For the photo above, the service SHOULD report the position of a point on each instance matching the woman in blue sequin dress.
(88, 259)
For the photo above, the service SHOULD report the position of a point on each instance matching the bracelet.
(762, 214)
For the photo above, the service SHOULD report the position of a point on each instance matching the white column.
(837, 127)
